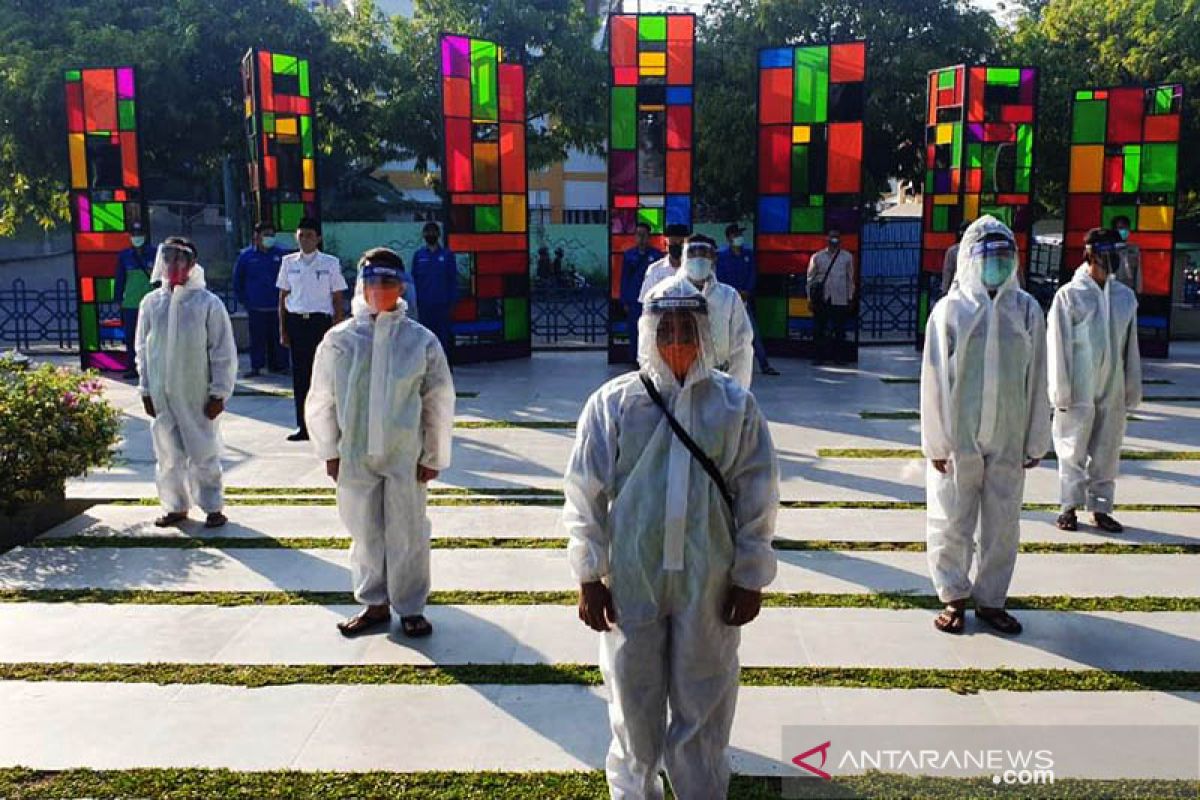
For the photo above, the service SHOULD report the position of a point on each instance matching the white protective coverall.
(185, 354)
(1095, 377)
(729, 323)
(645, 517)
(984, 411)
(382, 400)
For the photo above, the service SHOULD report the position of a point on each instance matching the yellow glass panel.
(78, 161)
(1156, 218)
(652, 107)
(798, 307)
(1087, 168)
(249, 107)
(286, 126)
(652, 72)
(652, 60)
(945, 133)
(310, 175)
(801, 134)
(945, 199)
(971, 207)
(512, 213)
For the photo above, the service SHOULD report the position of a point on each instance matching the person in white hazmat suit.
(669, 564)
(1095, 378)
(187, 368)
(729, 322)
(380, 413)
(984, 421)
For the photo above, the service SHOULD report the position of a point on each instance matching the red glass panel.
(679, 172)
(775, 96)
(75, 107)
(512, 93)
(775, 160)
(266, 83)
(512, 157)
(1083, 212)
(1162, 129)
(1125, 115)
(845, 157)
(679, 128)
(458, 155)
(129, 159)
(847, 62)
(100, 105)
(623, 48)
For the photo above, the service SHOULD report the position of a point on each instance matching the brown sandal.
(1000, 620)
(416, 626)
(953, 618)
(173, 518)
(363, 621)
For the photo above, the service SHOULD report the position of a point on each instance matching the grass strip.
(183, 542)
(959, 681)
(204, 784)
(439, 491)
(248, 391)
(900, 380)
(537, 425)
(903, 452)
(885, 600)
(1169, 398)
(889, 414)
(1156, 382)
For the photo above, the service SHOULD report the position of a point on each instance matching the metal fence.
(569, 317)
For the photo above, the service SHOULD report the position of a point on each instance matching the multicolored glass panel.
(810, 168)
(979, 149)
(650, 156)
(483, 103)
(282, 137)
(106, 199)
(1124, 161)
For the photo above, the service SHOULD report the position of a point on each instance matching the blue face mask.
(997, 269)
(1123, 233)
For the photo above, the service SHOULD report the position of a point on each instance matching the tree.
(905, 40)
(1080, 44)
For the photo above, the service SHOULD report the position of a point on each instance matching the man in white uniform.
(831, 293)
(665, 267)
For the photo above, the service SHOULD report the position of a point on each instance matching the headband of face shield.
(996, 260)
(698, 261)
(695, 304)
(1107, 255)
(382, 286)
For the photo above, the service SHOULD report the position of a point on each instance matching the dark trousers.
(439, 319)
(760, 350)
(633, 316)
(829, 330)
(306, 332)
(265, 347)
(129, 318)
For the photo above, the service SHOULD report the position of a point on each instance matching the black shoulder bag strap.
(690, 444)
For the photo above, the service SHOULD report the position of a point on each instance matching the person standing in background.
(435, 274)
(134, 265)
(254, 276)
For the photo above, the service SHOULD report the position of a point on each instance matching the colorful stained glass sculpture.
(650, 164)
(979, 149)
(282, 137)
(1124, 161)
(483, 104)
(810, 167)
(105, 197)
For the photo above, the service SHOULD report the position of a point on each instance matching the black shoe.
(769, 370)
(1106, 523)
(298, 436)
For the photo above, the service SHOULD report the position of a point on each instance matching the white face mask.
(698, 269)
(738, 241)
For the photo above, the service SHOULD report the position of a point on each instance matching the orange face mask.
(679, 357)
(382, 298)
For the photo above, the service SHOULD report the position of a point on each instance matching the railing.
(32, 316)
(569, 316)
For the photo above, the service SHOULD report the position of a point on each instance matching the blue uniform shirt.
(435, 275)
(133, 258)
(633, 272)
(737, 269)
(254, 276)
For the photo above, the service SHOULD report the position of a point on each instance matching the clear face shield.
(383, 286)
(1106, 256)
(677, 335)
(995, 260)
(698, 261)
(174, 263)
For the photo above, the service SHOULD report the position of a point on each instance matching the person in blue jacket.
(135, 264)
(435, 275)
(633, 271)
(736, 267)
(254, 276)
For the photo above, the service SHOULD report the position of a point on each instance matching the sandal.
(173, 518)
(363, 621)
(1106, 523)
(953, 618)
(416, 626)
(215, 520)
(999, 620)
(1067, 521)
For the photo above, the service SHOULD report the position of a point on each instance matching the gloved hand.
(333, 468)
(741, 606)
(214, 407)
(596, 607)
(425, 474)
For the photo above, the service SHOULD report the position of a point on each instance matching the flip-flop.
(416, 626)
(953, 619)
(361, 623)
(1000, 620)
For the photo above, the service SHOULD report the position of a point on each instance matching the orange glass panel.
(457, 97)
(100, 99)
(512, 157)
(679, 172)
(487, 167)
(847, 62)
(624, 41)
(845, 157)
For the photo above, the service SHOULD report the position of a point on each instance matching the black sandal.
(362, 622)
(953, 618)
(416, 626)
(1067, 521)
(1106, 523)
(1000, 620)
(173, 518)
(215, 520)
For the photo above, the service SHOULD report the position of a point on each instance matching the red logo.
(823, 749)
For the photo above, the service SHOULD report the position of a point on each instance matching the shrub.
(54, 424)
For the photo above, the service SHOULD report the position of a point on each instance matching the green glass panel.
(800, 168)
(1159, 166)
(817, 200)
(652, 28)
(1083, 95)
(268, 122)
(1004, 76)
(770, 313)
(108, 216)
(929, 182)
(808, 220)
(1133, 168)
(974, 155)
(922, 311)
(946, 79)
(941, 218)
(105, 290)
(485, 106)
(306, 136)
(1025, 146)
(304, 87)
(956, 146)
(487, 219)
(652, 217)
(89, 326)
(811, 97)
(289, 215)
(74, 75)
(1162, 99)
(1002, 213)
(1022, 183)
(989, 166)
(1089, 123)
(624, 118)
(127, 115)
(1109, 213)
(283, 65)
(516, 319)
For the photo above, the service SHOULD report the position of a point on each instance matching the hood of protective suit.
(358, 304)
(969, 274)
(650, 359)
